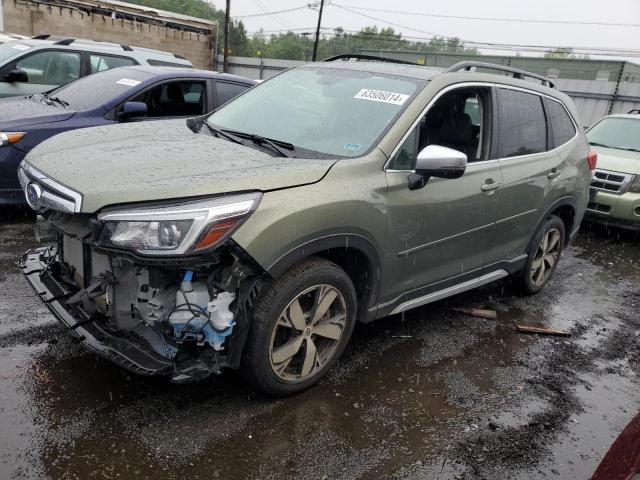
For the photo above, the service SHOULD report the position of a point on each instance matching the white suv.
(42, 63)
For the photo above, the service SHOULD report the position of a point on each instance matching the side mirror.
(17, 75)
(437, 161)
(131, 110)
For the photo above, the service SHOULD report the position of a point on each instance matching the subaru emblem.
(33, 193)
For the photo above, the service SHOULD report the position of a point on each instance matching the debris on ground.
(542, 330)
(478, 312)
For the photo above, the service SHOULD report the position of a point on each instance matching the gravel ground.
(429, 394)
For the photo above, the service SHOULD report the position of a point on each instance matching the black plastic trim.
(336, 241)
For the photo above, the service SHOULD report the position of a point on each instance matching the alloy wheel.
(546, 257)
(307, 333)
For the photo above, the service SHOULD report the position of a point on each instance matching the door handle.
(553, 173)
(487, 187)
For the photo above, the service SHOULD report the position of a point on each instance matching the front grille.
(611, 182)
(43, 193)
(599, 207)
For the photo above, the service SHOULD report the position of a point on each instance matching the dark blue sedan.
(125, 94)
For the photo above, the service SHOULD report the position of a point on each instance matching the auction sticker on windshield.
(381, 96)
(128, 82)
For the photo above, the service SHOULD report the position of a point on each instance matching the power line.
(480, 44)
(488, 46)
(275, 12)
(489, 19)
(259, 4)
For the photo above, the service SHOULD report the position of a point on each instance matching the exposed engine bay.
(186, 316)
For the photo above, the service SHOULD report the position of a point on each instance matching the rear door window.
(106, 62)
(225, 91)
(561, 125)
(522, 124)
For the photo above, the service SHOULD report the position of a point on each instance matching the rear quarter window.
(522, 124)
(561, 124)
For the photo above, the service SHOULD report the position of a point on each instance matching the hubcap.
(307, 333)
(546, 257)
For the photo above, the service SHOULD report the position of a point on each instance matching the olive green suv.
(616, 182)
(335, 192)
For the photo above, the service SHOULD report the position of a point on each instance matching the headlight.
(10, 137)
(635, 185)
(178, 229)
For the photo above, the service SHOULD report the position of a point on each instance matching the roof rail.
(517, 73)
(41, 37)
(633, 111)
(126, 48)
(65, 41)
(357, 56)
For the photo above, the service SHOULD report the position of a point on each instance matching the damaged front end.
(159, 290)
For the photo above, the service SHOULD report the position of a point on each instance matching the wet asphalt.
(429, 394)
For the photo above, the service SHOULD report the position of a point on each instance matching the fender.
(336, 241)
(561, 202)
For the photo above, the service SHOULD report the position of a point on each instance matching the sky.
(412, 24)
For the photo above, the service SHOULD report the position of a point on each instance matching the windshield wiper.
(277, 146)
(222, 133)
(596, 144)
(629, 149)
(258, 140)
(55, 100)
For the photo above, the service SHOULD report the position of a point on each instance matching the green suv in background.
(616, 138)
(335, 192)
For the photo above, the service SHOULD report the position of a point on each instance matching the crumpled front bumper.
(125, 352)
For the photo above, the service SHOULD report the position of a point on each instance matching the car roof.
(100, 47)
(402, 70)
(188, 72)
(427, 73)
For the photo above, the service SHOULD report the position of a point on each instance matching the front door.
(437, 235)
(45, 70)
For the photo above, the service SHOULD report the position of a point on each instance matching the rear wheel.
(301, 326)
(543, 256)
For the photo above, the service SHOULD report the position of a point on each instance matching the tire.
(285, 321)
(539, 267)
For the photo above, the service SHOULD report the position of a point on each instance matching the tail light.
(592, 158)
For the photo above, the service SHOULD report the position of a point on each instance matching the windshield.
(97, 89)
(11, 49)
(621, 133)
(334, 112)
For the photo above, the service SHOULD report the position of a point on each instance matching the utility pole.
(315, 45)
(225, 61)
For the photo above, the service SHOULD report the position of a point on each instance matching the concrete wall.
(31, 18)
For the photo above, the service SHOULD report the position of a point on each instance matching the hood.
(22, 112)
(616, 160)
(162, 160)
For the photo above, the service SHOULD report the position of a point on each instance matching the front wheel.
(543, 256)
(300, 327)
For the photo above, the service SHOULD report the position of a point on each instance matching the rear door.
(533, 173)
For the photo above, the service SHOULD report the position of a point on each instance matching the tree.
(560, 52)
